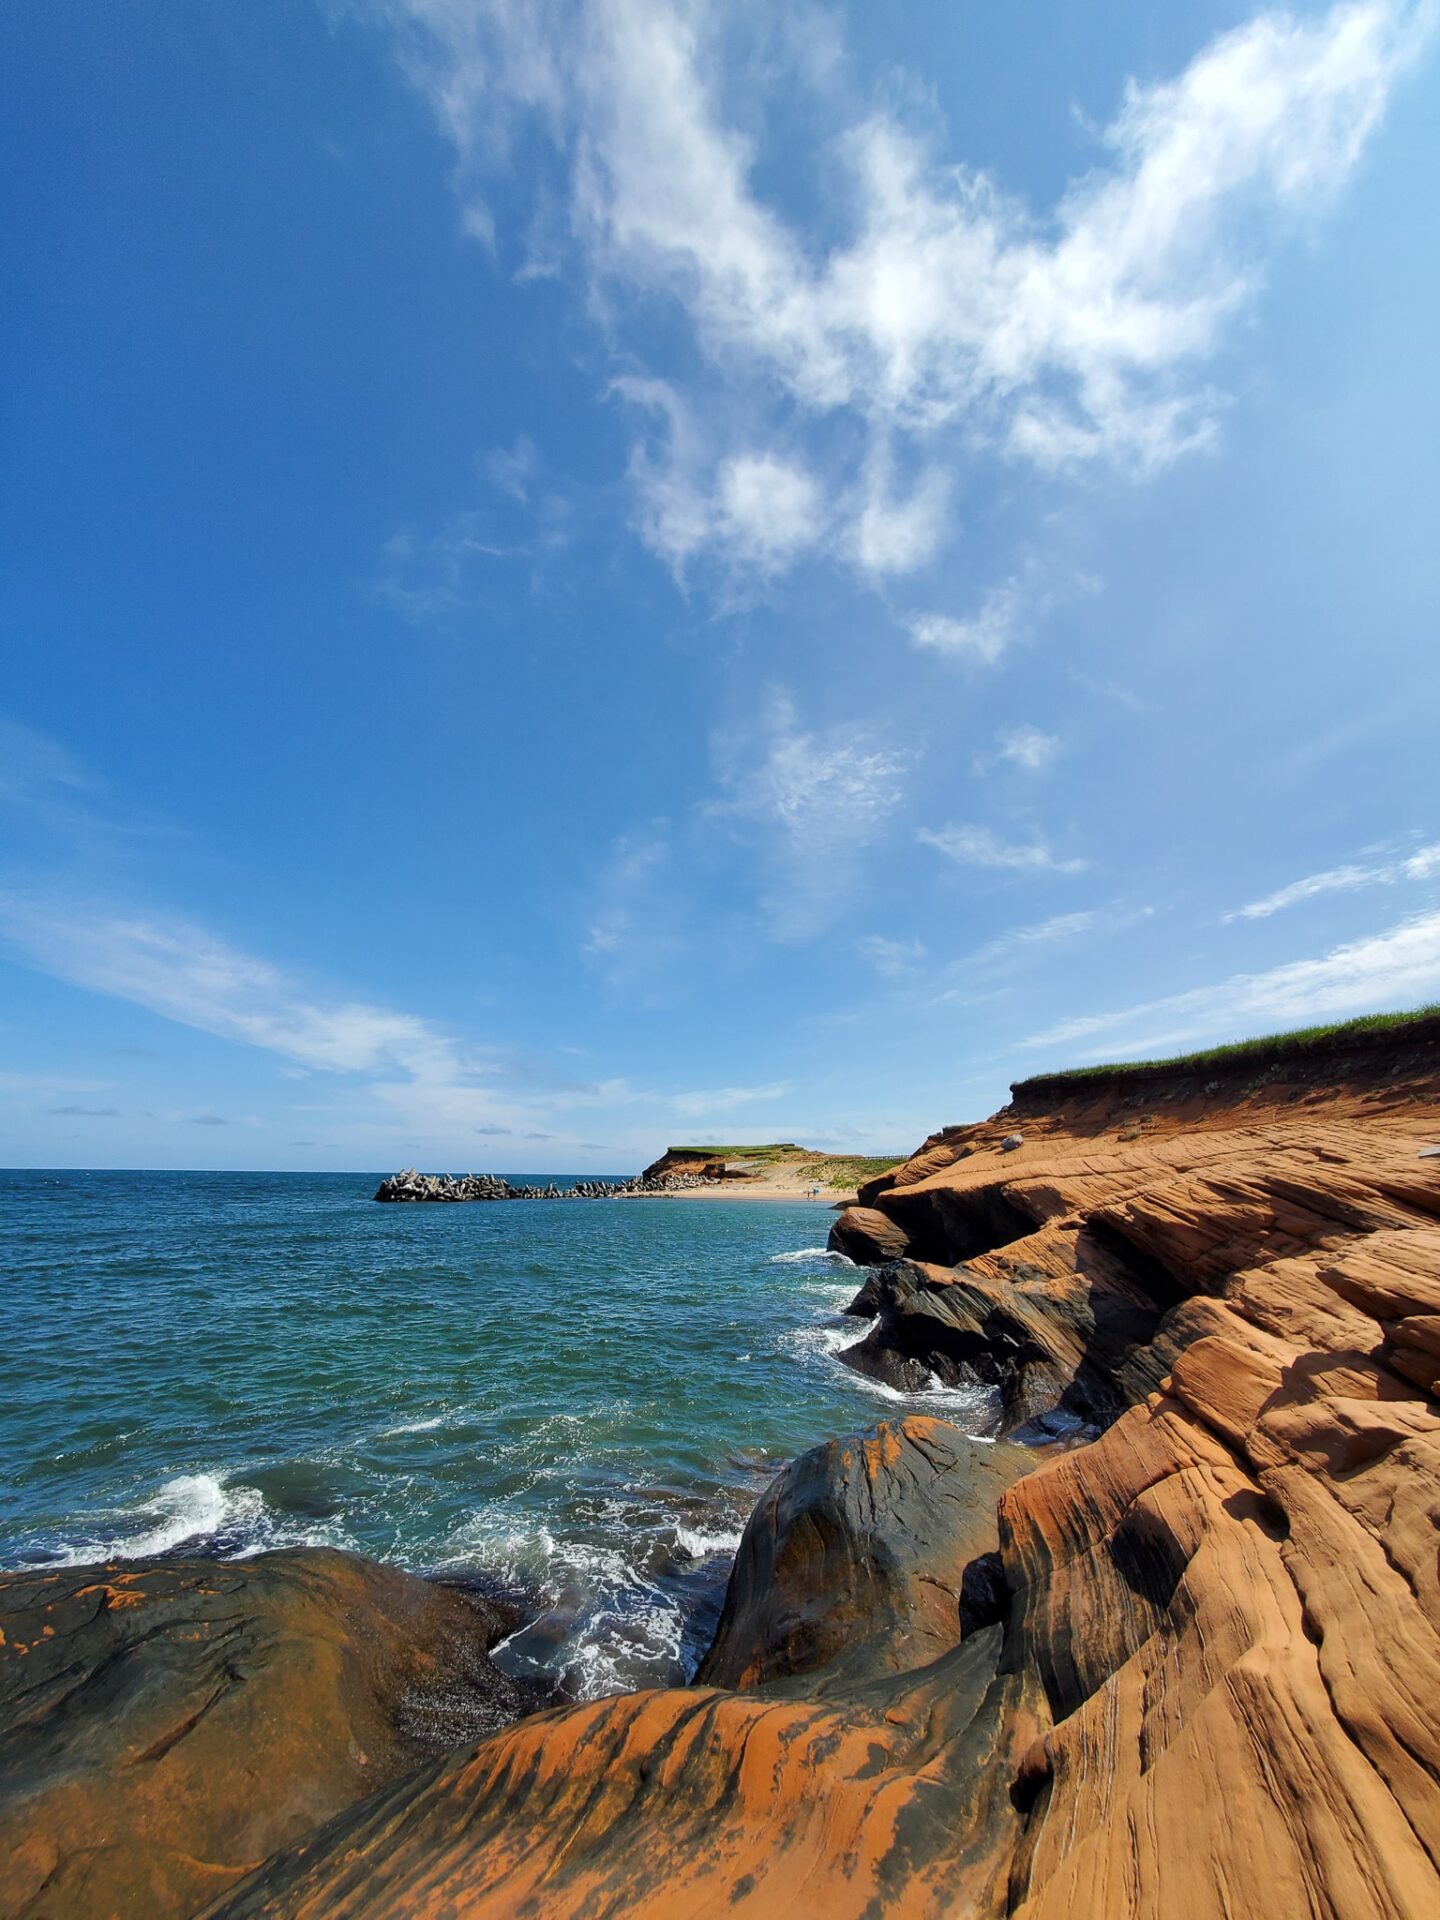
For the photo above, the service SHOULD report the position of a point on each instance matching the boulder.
(853, 1563)
(867, 1237)
(166, 1724)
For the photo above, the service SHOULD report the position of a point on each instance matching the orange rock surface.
(163, 1728)
(1212, 1682)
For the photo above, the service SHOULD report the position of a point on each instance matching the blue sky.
(580, 577)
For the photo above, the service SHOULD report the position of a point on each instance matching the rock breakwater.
(443, 1187)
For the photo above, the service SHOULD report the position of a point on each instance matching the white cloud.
(633, 936)
(1046, 933)
(974, 846)
(512, 469)
(1423, 864)
(1027, 748)
(770, 510)
(945, 316)
(891, 957)
(1059, 930)
(983, 637)
(1386, 970)
(419, 1086)
(717, 1100)
(814, 800)
(898, 533)
(179, 970)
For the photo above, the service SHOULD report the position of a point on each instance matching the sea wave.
(605, 1624)
(202, 1511)
(971, 1408)
(413, 1426)
(701, 1544)
(810, 1257)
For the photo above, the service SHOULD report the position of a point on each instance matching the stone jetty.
(414, 1186)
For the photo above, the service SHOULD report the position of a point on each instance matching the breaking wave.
(201, 1512)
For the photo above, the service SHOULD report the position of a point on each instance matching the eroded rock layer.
(1199, 1674)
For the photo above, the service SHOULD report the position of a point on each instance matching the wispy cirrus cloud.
(185, 973)
(983, 636)
(1024, 747)
(1030, 943)
(937, 315)
(700, 1104)
(1392, 969)
(634, 930)
(415, 1079)
(891, 958)
(812, 800)
(1423, 864)
(975, 846)
(1056, 931)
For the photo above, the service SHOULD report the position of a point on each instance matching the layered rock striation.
(1197, 1670)
(1182, 1660)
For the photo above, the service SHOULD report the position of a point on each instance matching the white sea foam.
(190, 1507)
(196, 1509)
(810, 1257)
(617, 1629)
(969, 1407)
(701, 1544)
(608, 1623)
(413, 1426)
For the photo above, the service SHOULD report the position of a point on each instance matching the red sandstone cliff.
(1188, 1668)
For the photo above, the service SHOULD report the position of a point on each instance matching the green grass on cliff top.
(777, 1150)
(828, 1169)
(1279, 1047)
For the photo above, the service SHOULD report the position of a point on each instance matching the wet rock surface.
(1039, 1343)
(165, 1725)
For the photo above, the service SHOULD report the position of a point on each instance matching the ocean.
(576, 1402)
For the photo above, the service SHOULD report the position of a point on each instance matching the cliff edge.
(1188, 1665)
(1177, 1656)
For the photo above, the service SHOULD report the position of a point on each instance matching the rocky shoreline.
(1182, 1656)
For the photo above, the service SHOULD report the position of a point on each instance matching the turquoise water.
(576, 1401)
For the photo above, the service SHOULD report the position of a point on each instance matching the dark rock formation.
(867, 1237)
(411, 1186)
(1041, 1340)
(164, 1725)
(854, 1560)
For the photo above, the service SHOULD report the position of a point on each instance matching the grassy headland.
(1277, 1049)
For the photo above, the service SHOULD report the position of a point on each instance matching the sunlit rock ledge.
(1179, 1655)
